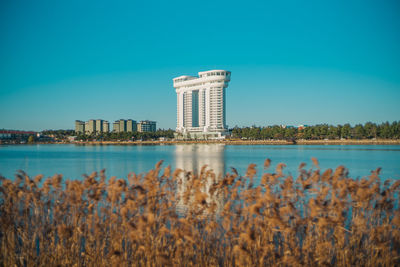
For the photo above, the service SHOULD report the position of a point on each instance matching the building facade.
(79, 127)
(12, 134)
(146, 126)
(99, 126)
(122, 125)
(116, 126)
(92, 126)
(201, 103)
(131, 126)
(106, 127)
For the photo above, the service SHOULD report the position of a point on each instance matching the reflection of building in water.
(191, 158)
(194, 157)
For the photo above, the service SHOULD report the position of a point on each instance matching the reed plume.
(183, 218)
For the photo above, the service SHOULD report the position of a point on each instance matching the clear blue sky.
(292, 62)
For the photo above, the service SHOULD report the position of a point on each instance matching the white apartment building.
(201, 103)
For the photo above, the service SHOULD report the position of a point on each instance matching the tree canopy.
(369, 130)
(127, 136)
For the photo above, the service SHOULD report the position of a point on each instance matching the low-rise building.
(12, 134)
(5, 135)
(146, 126)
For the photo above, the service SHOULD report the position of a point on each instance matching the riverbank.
(229, 142)
(249, 142)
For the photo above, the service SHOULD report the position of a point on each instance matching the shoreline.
(236, 142)
(247, 142)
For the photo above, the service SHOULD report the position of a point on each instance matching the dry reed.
(179, 218)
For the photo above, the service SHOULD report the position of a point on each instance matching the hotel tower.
(201, 104)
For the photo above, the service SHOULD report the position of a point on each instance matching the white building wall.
(180, 112)
(202, 108)
(207, 118)
(187, 107)
(211, 85)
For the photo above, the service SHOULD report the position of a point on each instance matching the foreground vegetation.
(320, 132)
(179, 218)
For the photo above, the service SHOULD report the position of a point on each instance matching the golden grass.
(178, 218)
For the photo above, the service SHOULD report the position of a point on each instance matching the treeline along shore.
(360, 134)
(248, 142)
(368, 133)
(235, 142)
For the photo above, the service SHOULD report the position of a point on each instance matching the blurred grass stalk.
(180, 218)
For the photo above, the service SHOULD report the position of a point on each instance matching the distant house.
(10, 134)
(71, 138)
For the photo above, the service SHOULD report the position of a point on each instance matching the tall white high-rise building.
(201, 103)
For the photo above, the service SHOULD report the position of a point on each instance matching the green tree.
(370, 130)
(395, 130)
(333, 132)
(385, 131)
(358, 132)
(266, 133)
(255, 133)
(290, 133)
(346, 131)
(308, 133)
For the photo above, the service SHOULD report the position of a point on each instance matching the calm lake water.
(75, 160)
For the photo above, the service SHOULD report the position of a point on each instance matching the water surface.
(75, 160)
